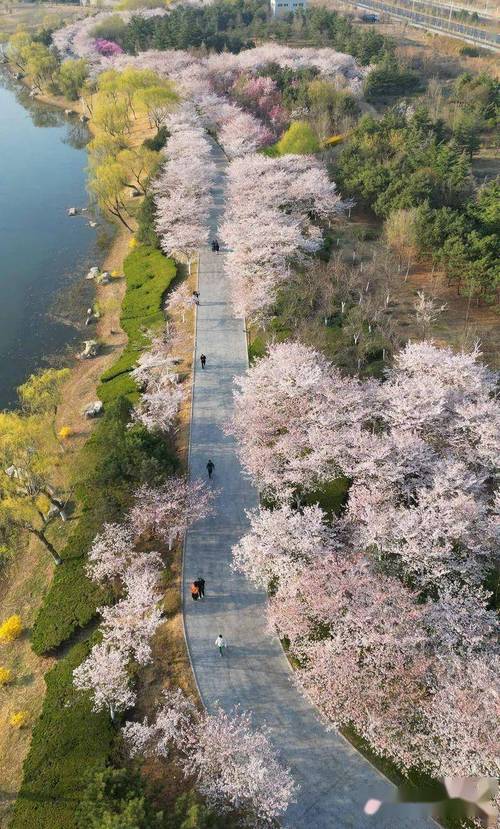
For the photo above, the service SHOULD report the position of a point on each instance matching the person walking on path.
(196, 295)
(215, 246)
(200, 584)
(203, 360)
(221, 643)
(210, 467)
(195, 591)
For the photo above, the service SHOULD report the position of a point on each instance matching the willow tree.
(155, 101)
(108, 184)
(28, 503)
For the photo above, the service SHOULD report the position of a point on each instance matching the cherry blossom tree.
(280, 543)
(160, 404)
(168, 510)
(283, 195)
(129, 625)
(234, 765)
(361, 645)
(440, 533)
(183, 186)
(111, 552)
(173, 725)
(243, 134)
(154, 363)
(180, 300)
(462, 718)
(446, 396)
(460, 621)
(104, 673)
(285, 406)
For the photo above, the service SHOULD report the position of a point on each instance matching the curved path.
(335, 780)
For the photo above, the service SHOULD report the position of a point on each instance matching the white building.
(282, 7)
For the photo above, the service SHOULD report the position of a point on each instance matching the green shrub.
(158, 141)
(469, 52)
(389, 79)
(116, 798)
(148, 274)
(113, 463)
(67, 738)
(146, 215)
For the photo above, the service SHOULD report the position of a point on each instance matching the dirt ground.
(462, 322)
(438, 54)
(80, 388)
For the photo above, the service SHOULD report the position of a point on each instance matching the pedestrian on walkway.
(195, 592)
(210, 467)
(196, 295)
(214, 242)
(217, 248)
(221, 643)
(203, 360)
(200, 584)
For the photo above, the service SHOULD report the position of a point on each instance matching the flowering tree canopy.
(285, 406)
(183, 186)
(104, 673)
(282, 195)
(383, 608)
(234, 765)
(168, 510)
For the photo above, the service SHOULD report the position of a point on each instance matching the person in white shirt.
(220, 643)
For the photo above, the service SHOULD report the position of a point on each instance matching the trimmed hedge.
(148, 274)
(67, 740)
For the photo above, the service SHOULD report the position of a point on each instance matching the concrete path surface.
(335, 780)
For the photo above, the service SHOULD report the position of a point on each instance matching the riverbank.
(26, 579)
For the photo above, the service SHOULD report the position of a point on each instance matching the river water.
(44, 254)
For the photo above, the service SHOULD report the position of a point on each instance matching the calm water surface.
(43, 253)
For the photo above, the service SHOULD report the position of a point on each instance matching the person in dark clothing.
(200, 584)
(196, 294)
(216, 248)
(203, 360)
(214, 242)
(210, 468)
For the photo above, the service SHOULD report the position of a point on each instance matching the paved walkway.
(335, 781)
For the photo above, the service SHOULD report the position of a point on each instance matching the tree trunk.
(115, 212)
(48, 546)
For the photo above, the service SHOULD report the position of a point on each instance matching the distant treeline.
(234, 26)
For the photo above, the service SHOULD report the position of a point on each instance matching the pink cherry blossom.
(167, 511)
(111, 552)
(280, 542)
(129, 625)
(104, 674)
(160, 404)
(234, 766)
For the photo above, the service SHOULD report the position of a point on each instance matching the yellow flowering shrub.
(11, 629)
(5, 675)
(19, 719)
(65, 432)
